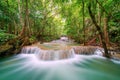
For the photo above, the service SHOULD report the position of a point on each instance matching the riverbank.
(14, 46)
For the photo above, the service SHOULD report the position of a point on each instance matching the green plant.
(32, 39)
(5, 37)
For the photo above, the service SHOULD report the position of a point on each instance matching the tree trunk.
(25, 29)
(83, 20)
(20, 16)
(99, 15)
(105, 31)
(100, 40)
(15, 28)
(100, 32)
(99, 21)
(9, 26)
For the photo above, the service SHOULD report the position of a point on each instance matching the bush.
(32, 39)
(114, 31)
(5, 37)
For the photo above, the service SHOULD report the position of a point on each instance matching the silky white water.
(36, 64)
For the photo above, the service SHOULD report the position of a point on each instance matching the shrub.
(5, 37)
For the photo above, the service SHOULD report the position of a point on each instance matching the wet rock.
(86, 50)
(5, 49)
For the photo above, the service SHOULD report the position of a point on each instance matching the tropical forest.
(59, 39)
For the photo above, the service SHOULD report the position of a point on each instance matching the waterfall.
(88, 50)
(55, 54)
(59, 54)
(99, 52)
(30, 50)
(48, 55)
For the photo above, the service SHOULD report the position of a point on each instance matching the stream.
(57, 63)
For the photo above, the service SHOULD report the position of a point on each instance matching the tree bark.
(9, 26)
(100, 32)
(20, 16)
(105, 31)
(99, 21)
(83, 20)
(25, 29)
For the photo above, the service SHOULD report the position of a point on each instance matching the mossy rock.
(14, 46)
(5, 49)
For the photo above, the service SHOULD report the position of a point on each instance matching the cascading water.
(56, 54)
(30, 50)
(48, 55)
(37, 64)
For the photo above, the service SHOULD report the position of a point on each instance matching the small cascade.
(30, 50)
(49, 55)
(99, 52)
(88, 50)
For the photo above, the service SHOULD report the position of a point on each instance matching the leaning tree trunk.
(100, 32)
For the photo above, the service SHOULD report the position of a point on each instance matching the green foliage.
(47, 38)
(32, 39)
(114, 20)
(51, 18)
(5, 37)
(2, 31)
(114, 31)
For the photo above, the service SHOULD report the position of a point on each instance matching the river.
(28, 66)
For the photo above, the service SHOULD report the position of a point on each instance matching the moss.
(14, 46)
(5, 50)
